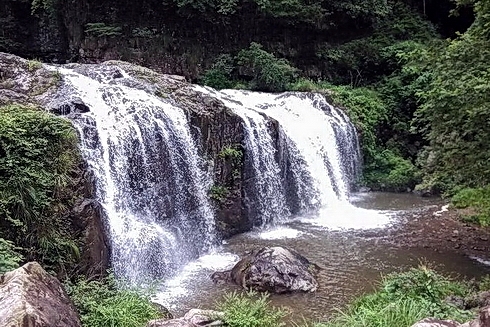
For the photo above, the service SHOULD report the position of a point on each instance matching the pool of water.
(351, 263)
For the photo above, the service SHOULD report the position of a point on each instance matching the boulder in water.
(30, 297)
(274, 269)
(193, 318)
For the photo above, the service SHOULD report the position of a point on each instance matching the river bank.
(436, 227)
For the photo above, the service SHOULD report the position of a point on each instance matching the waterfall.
(322, 147)
(301, 154)
(267, 201)
(147, 171)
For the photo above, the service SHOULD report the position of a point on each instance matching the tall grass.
(107, 304)
(250, 310)
(402, 300)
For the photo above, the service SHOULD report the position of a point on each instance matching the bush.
(219, 75)
(477, 201)
(250, 310)
(268, 73)
(403, 299)
(38, 154)
(389, 171)
(9, 257)
(102, 304)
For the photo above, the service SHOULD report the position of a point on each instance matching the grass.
(105, 303)
(403, 299)
(250, 310)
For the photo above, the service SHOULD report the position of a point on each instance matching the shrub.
(38, 154)
(477, 201)
(390, 171)
(102, 304)
(403, 299)
(219, 75)
(250, 310)
(9, 257)
(268, 72)
(218, 193)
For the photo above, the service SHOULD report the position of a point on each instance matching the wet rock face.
(24, 81)
(275, 270)
(30, 297)
(95, 256)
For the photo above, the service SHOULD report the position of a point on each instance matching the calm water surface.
(352, 264)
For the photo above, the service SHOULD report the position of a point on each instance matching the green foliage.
(230, 152)
(9, 257)
(477, 201)
(268, 73)
(219, 75)
(390, 171)
(102, 30)
(38, 152)
(48, 6)
(103, 303)
(250, 310)
(33, 65)
(403, 299)
(456, 109)
(218, 193)
(364, 60)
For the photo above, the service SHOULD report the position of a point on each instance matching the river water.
(351, 262)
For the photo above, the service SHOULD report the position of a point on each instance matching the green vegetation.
(9, 256)
(250, 310)
(231, 152)
(268, 72)
(102, 30)
(219, 75)
(105, 303)
(402, 299)
(218, 193)
(38, 154)
(33, 65)
(263, 70)
(477, 204)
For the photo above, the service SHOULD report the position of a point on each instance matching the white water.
(268, 200)
(153, 190)
(147, 174)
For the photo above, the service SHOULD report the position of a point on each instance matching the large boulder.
(274, 269)
(30, 297)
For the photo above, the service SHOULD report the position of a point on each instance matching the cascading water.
(268, 203)
(147, 171)
(321, 143)
(320, 156)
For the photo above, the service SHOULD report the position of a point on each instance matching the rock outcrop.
(30, 297)
(193, 318)
(483, 320)
(431, 322)
(275, 270)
